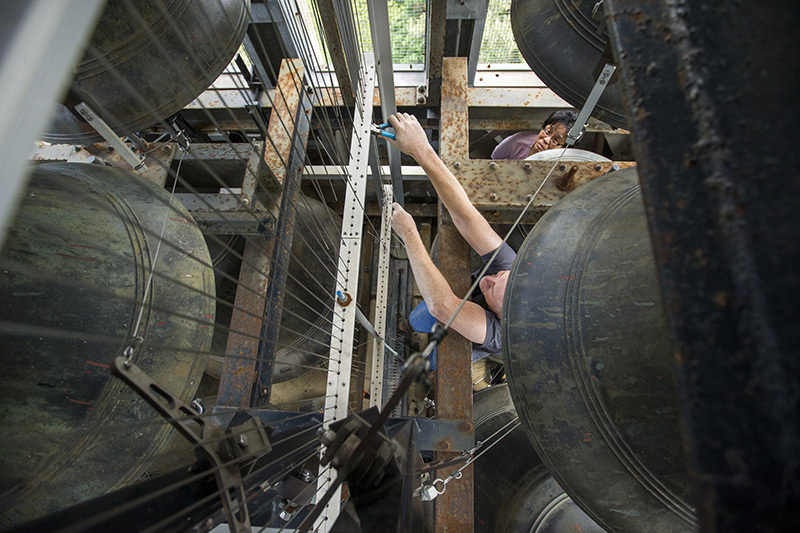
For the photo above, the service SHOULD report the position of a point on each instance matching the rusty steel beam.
(336, 49)
(454, 368)
(158, 160)
(290, 86)
(500, 189)
(238, 368)
(287, 99)
(434, 52)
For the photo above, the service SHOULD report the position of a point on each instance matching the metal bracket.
(576, 132)
(105, 131)
(227, 452)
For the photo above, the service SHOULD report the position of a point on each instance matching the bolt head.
(242, 441)
(562, 167)
(493, 165)
(457, 165)
(598, 168)
(245, 201)
(527, 167)
(493, 197)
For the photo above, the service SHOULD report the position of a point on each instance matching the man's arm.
(442, 302)
(411, 139)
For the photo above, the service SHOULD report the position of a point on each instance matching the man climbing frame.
(479, 325)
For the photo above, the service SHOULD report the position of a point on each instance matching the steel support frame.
(381, 300)
(382, 47)
(336, 48)
(724, 213)
(454, 369)
(337, 394)
(285, 160)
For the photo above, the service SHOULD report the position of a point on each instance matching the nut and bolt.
(422, 89)
(242, 441)
(245, 201)
(493, 197)
(457, 165)
(526, 167)
(492, 165)
(420, 99)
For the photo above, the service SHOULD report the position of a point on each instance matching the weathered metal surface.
(254, 178)
(454, 121)
(223, 214)
(588, 359)
(238, 368)
(500, 189)
(562, 42)
(288, 98)
(75, 268)
(526, 97)
(702, 79)
(513, 489)
(336, 50)
(186, 45)
(289, 174)
(157, 161)
(454, 370)
(434, 52)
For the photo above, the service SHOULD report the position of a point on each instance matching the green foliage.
(407, 30)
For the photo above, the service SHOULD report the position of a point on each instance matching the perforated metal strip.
(381, 300)
(341, 354)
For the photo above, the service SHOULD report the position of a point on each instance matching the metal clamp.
(430, 492)
(105, 131)
(227, 452)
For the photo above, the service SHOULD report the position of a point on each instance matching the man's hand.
(409, 138)
(402, 223)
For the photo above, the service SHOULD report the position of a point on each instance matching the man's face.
(494, 288)
(551, 136)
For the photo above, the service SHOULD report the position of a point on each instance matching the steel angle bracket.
(225, 451)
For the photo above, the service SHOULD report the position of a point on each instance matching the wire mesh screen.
(407, 28)
(498, 45)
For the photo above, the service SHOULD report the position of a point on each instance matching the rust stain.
(101, 365)
(73, 400)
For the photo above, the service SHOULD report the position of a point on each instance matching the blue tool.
(380, 129)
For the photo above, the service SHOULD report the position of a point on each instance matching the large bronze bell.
(73, 277)
(589, 361)
(513, 489)
(148, 59)
(563, 41)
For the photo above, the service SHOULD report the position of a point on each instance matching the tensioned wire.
(229, 141)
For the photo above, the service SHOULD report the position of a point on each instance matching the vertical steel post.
(285, 159)
(454, 358)
(382, 46)
(337, 393)
(381, 300)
